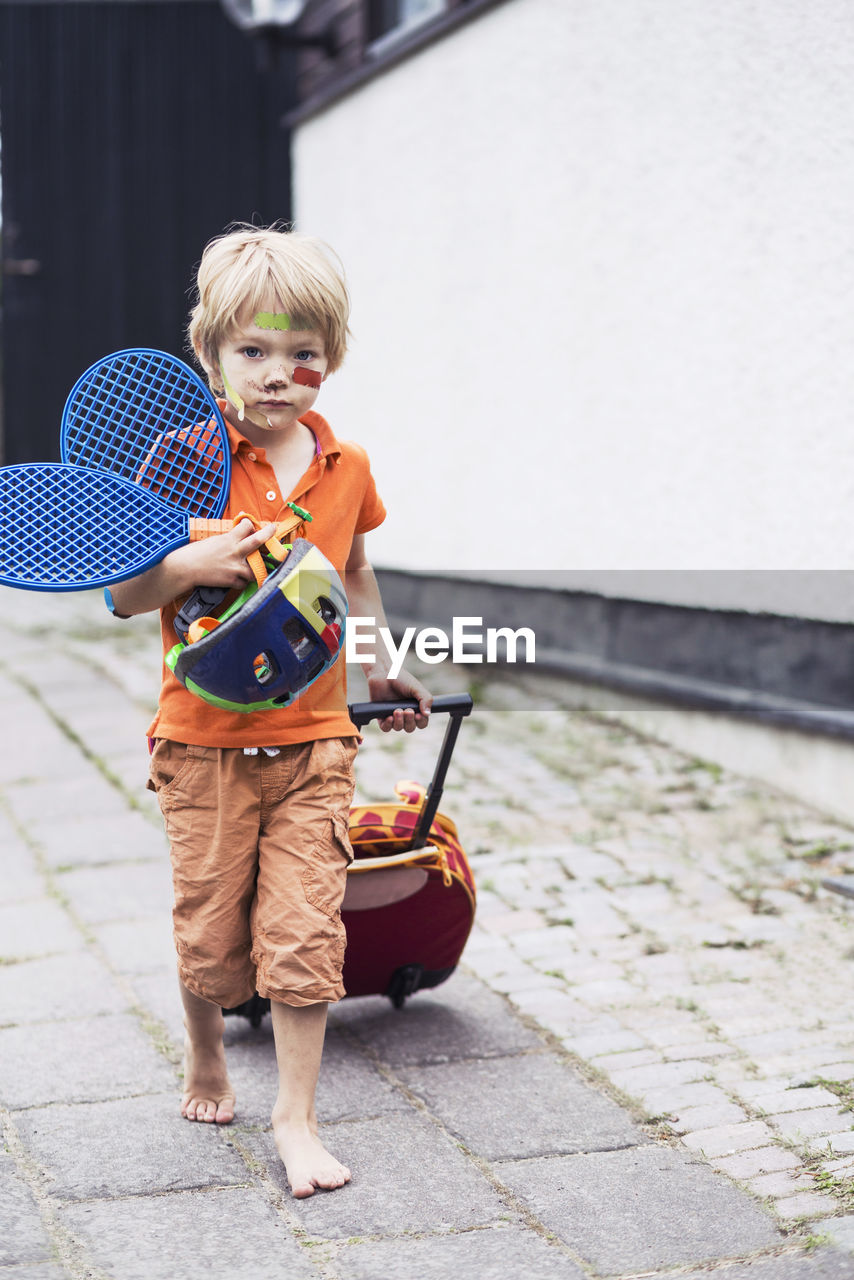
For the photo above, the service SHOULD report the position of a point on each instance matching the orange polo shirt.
(339, 492)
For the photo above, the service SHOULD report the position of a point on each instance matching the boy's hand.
(221, 561)
(381, 689)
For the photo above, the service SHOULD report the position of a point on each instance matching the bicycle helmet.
(272, 641)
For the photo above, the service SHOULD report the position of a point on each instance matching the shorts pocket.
(170, 765)
(325, 879)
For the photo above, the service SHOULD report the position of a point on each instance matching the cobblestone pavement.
(645, 1064)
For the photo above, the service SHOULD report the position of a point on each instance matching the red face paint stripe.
(308, 377)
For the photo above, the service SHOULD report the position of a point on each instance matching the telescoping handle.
(456, 705)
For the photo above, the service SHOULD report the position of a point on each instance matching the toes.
(302, 1191)
(208, 1110)
(194, 1109)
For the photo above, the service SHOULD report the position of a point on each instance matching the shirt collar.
(329, 446)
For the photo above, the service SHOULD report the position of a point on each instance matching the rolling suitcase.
(410, 899)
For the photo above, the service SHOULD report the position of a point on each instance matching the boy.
(256, 805)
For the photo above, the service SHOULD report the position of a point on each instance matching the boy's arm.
(219, 561)
(363, 595)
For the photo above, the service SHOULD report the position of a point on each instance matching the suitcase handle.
(457, 705)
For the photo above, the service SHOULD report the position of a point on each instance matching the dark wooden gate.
(132, 131)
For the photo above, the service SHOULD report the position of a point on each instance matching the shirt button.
(271, 495)
(253, 457)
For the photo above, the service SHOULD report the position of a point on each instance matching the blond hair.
(249, 268)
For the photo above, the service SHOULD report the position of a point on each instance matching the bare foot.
(208, 1094)
(308, 1164)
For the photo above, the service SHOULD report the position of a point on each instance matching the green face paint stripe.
(272, 320)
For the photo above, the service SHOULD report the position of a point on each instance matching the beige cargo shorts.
(260, 851)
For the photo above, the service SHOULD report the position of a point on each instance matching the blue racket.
(146, 469)
(146, 416)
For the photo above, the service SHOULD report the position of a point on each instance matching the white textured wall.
(602, 261)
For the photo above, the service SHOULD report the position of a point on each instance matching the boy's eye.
(251, 352)
(304, 355)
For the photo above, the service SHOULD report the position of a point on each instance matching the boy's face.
(271, 373)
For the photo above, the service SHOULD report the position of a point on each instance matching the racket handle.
(200, 528)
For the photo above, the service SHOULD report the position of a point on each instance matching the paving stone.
(784, 1100)
(129, 1146)
(680, 1098)
(579, 967)
(460, 1019)
(509, 982)
(607, 993)
(37, 749)
(349, 1087)
(81, 1060)
(483, 1255)
(596, 1044)
(796, 1264)
(726, 1139)
(689, 1119)
(180, 1236)
(841, 1143)
(778, 1185)
(841, 1232)
(549, 944)
(808, 1063)
(23, 1237)
(122, 892)
(120, 836)
(747, 1164)
(513, 922)
(48, 800)
(620, 1061)
(36, 927)
(787, 1040)
(808, 1204)
(33, 1271)
(557, 1011)
(533, 1104)
(157, 993)
(597, 920)
(810, 1124)
(840, 1071)
(638, 1080)
(21, 877)
(139, 946)
(407, 1176)
(75, 983)
(639, 1209)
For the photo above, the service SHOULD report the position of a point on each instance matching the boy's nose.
(276, 376)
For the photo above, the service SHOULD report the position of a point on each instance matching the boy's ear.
(208, 363)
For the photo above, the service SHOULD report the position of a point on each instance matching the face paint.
(240, 404)
(234, 397)
(271, 320)
(308, 377)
